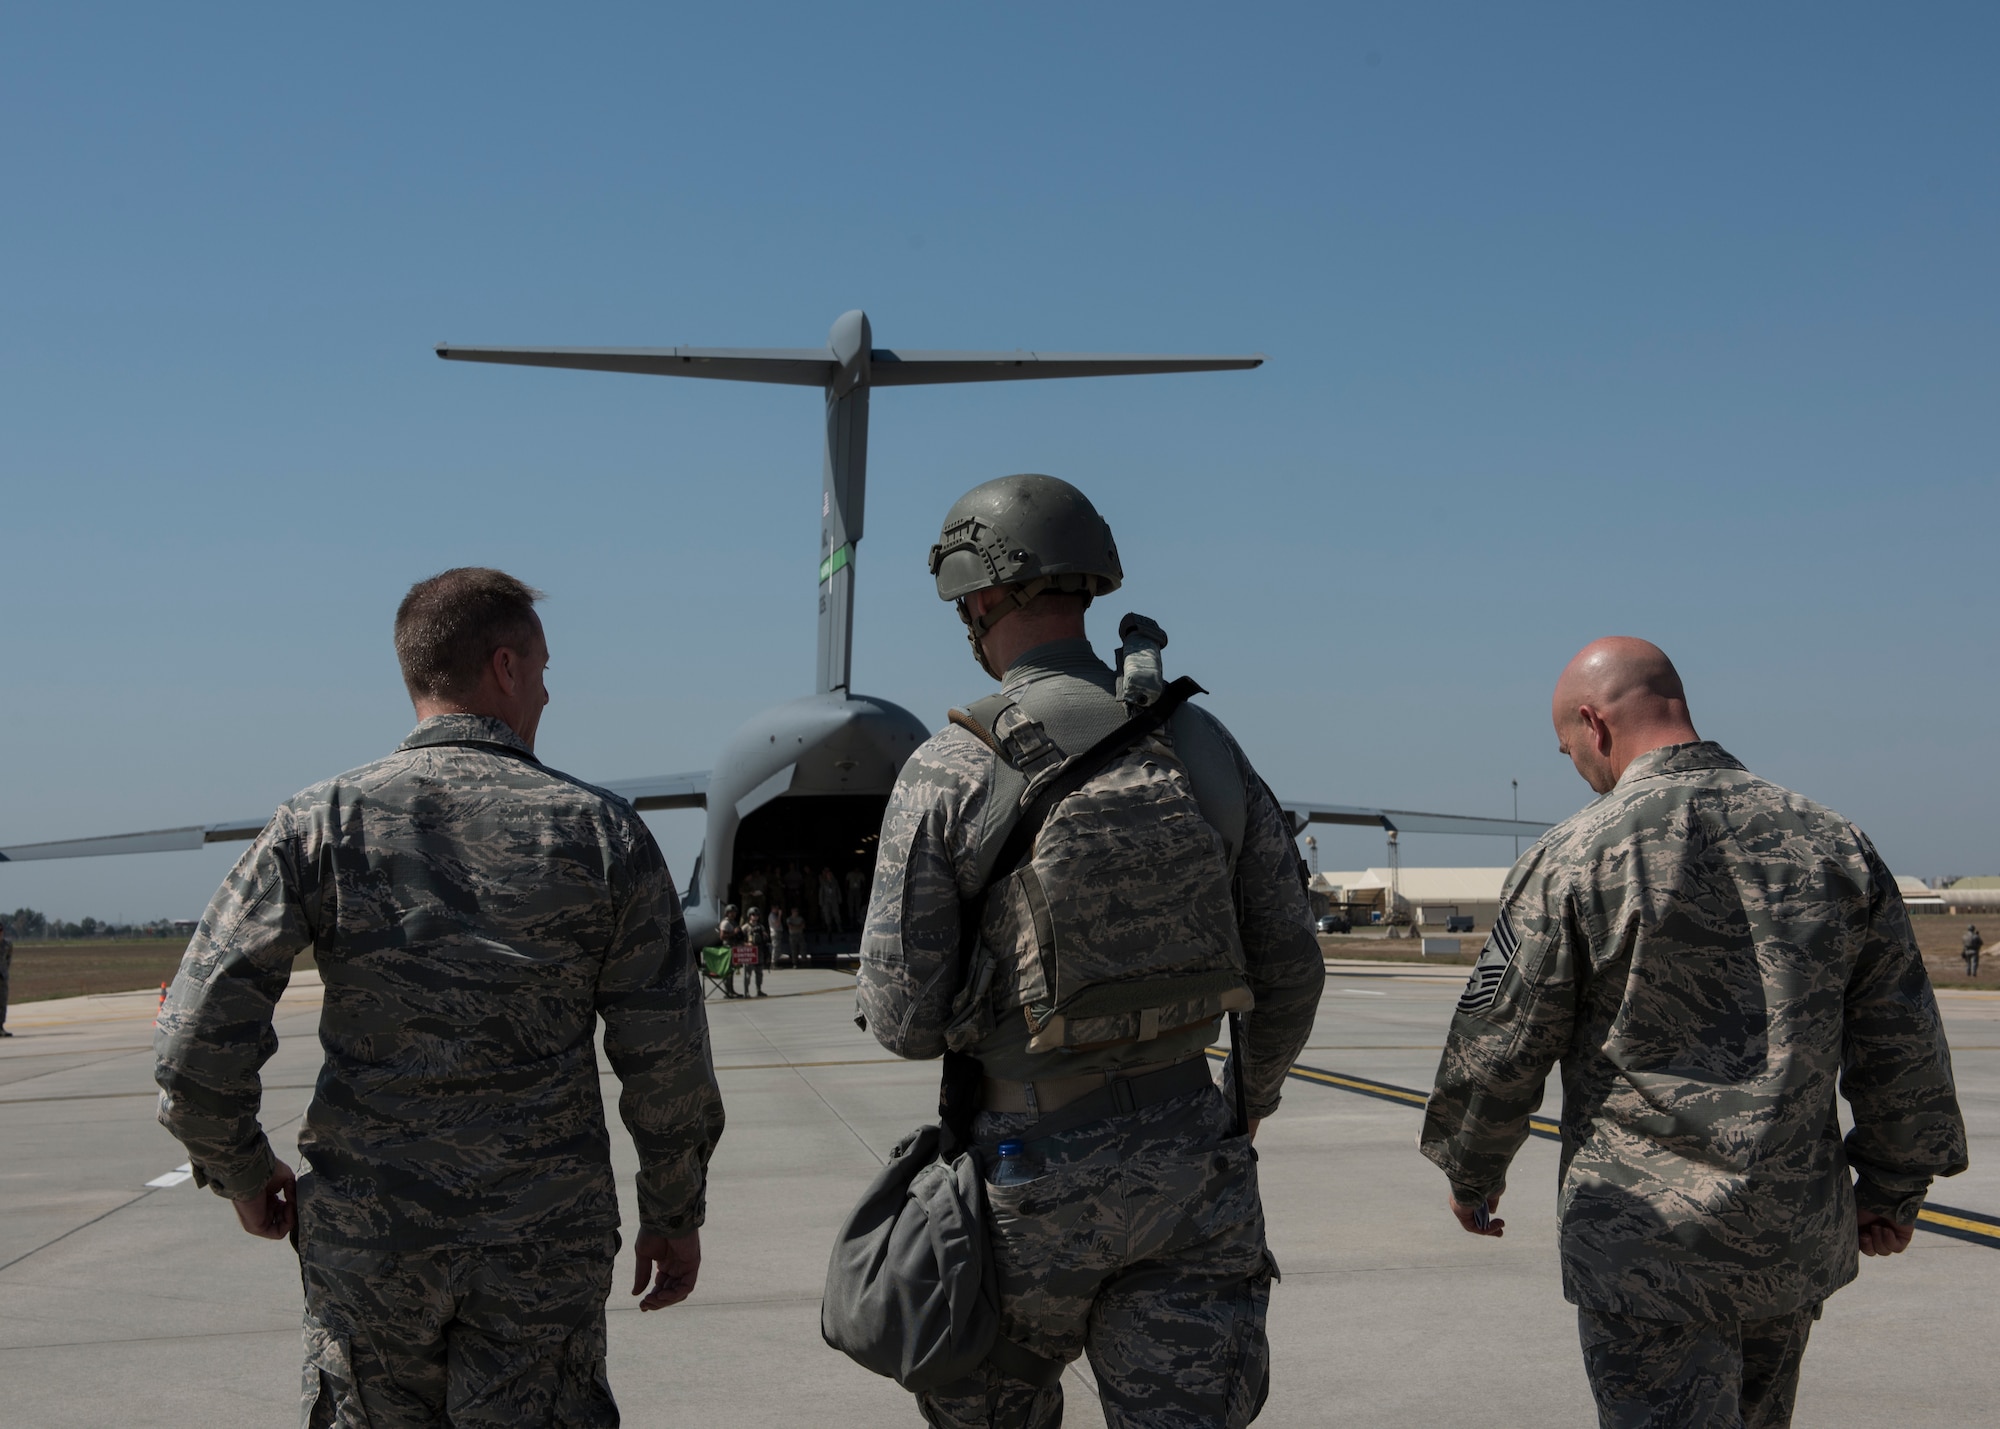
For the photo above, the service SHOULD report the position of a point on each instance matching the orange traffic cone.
(162, 1005)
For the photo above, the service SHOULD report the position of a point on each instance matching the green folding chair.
(714, 972)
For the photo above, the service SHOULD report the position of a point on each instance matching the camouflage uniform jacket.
(1710, 957)
(926, 870)
(472, 914)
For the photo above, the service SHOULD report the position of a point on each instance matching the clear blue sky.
(1581, 320)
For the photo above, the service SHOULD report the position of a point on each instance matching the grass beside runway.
(1973, 1226)
(79, 967)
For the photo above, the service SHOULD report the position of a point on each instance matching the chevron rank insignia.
(1494, 960)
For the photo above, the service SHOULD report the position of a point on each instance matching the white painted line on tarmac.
(1361, 991)
(182, 1172)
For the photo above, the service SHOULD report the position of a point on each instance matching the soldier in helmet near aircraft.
(1084, 1028)
(757, 937)
(729, 931)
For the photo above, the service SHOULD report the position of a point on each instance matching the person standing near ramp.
(1711, 957)
(1969, 949)
(1087, 982)
(756, 937)
(6, 971)
(472, 914)
(829, 901)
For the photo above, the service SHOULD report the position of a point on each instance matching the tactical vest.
(1121, 924)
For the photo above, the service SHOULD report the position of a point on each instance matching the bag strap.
(963, 1076)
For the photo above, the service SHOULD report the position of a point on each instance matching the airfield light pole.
(1395, 881)
(1517, 818)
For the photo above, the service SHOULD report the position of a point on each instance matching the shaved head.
(1620, 697)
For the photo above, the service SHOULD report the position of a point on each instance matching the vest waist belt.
(1126, 1090)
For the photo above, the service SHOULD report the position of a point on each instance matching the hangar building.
(1427, 895)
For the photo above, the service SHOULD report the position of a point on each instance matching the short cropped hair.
(448, 627)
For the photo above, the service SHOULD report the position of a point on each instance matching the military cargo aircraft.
(807, 781)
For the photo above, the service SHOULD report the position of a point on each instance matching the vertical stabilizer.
(844, 497)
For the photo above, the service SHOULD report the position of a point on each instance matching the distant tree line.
(26, 925)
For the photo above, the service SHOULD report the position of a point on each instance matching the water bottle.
(1013, 1168)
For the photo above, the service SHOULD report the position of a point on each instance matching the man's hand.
(678, 1262)
(273, 1211)
(1255, 1122)
(1882, 1236)
(1479, 1220)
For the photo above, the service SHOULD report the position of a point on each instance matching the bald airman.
(1710, 957)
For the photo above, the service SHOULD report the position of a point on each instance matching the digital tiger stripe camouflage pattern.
(472, 914)
(1712, 958)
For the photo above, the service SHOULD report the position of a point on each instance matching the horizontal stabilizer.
(790, 366)
(913, 369)
(663, 791)
(153, 841)
(1404, 821)
(816, 367)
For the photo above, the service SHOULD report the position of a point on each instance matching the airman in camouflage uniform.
(1710, 957)
(472, 914)
(1140, 1237)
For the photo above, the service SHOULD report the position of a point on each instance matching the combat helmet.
(1031, 531)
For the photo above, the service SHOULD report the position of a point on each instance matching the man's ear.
(1600, 730)
(505, 667)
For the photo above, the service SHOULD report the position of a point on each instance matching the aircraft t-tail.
(807, 781)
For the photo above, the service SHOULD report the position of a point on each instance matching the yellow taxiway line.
(1973, 1226)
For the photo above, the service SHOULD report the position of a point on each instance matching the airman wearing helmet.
(1160, 895)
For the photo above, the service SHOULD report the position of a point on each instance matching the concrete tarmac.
(132, 1306)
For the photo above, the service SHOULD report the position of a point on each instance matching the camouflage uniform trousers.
(1694, 1374)
(478, 1337)
(1141, 1242)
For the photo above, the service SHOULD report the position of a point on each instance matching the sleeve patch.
(1494, 960)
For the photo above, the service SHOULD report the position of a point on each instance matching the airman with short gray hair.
(473, 914)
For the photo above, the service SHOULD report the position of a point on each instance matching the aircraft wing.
(153, 841)
(663, 791)
(1406, 821)
(658, 791)
(690, 791)
(816, 367)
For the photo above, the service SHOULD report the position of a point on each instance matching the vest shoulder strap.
(979, 717)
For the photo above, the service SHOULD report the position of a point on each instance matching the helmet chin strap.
(978, 625)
